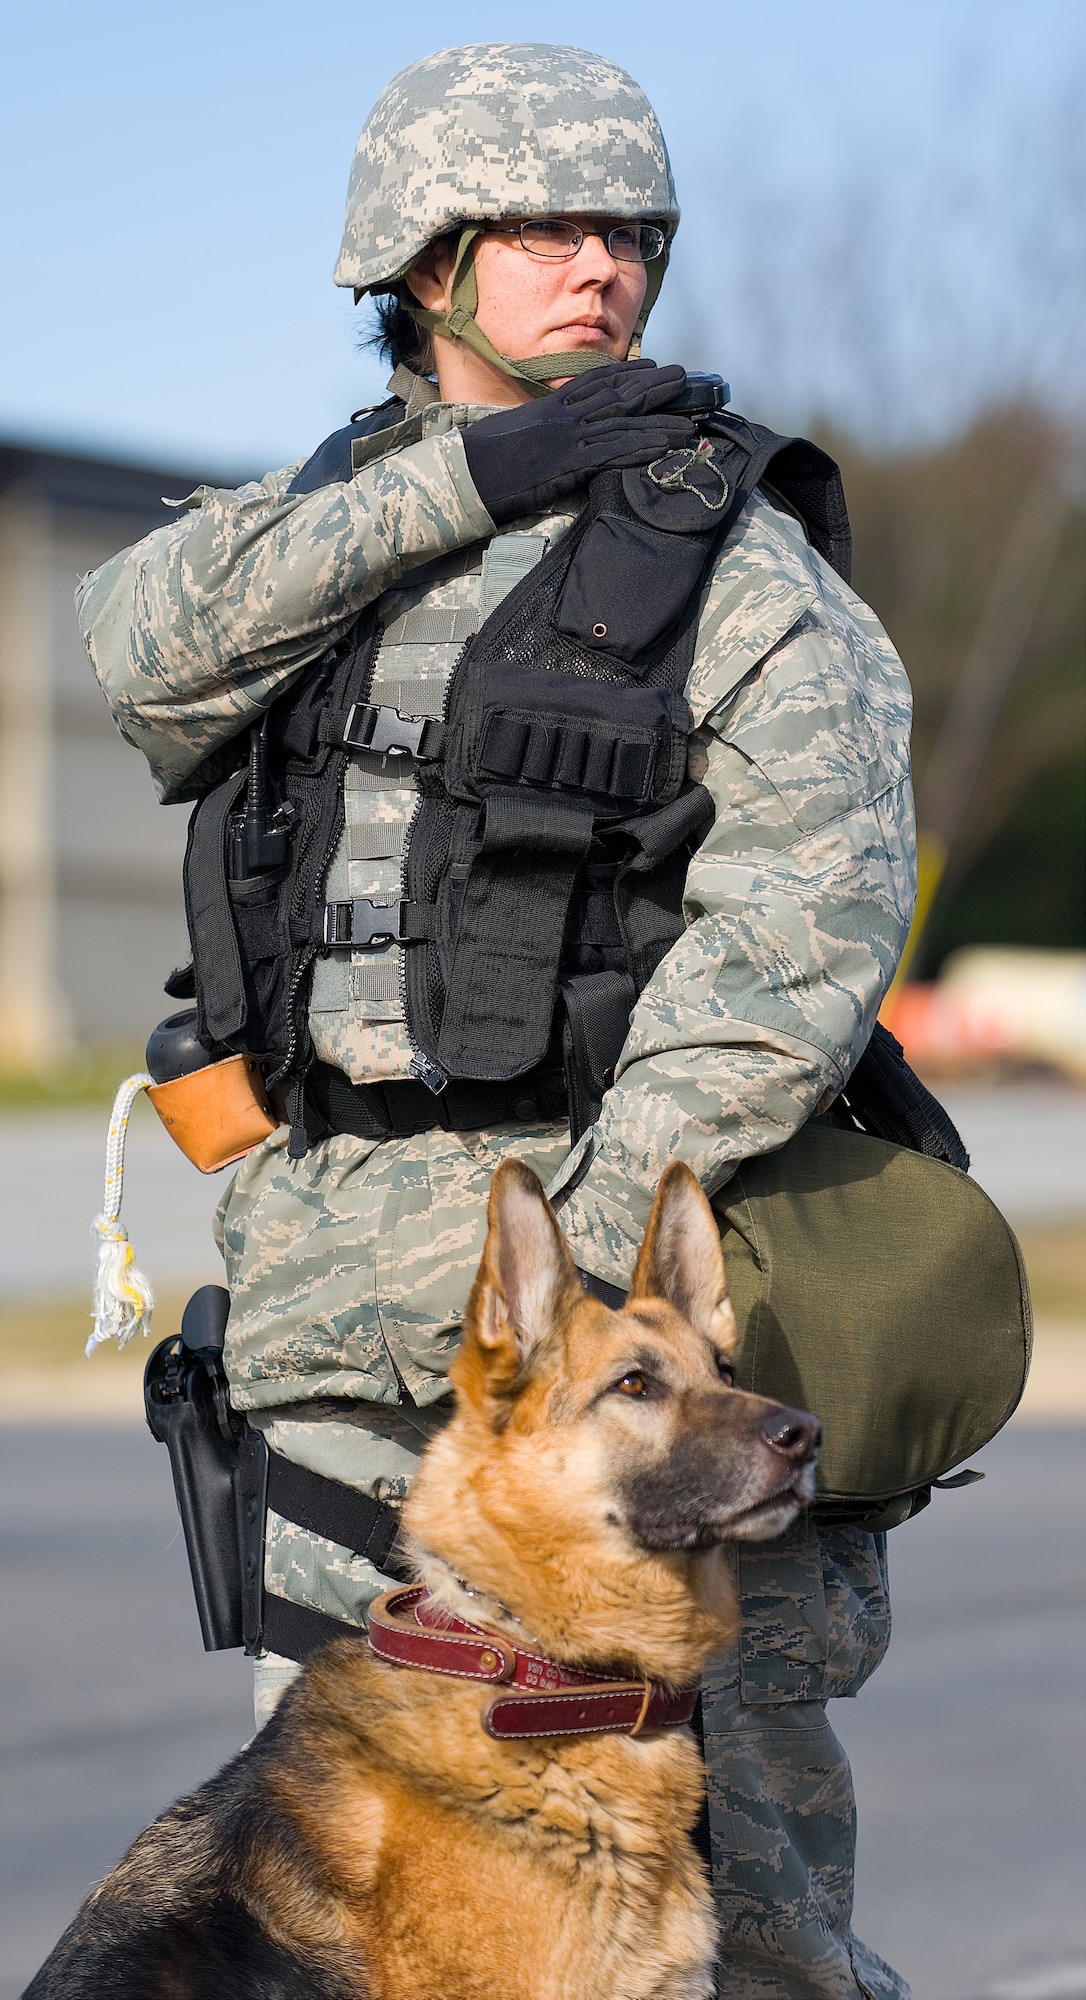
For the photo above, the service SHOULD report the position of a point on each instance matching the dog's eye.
(725, 1370)
(633, 1384)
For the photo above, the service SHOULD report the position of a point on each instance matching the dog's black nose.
(793, 1433)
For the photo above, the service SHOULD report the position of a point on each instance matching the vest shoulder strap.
(331, 462)
(804, 475)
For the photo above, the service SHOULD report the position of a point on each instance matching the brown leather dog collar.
(410, 1629)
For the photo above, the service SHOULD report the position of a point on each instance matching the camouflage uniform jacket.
(797, 902)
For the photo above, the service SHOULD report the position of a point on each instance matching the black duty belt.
(398, 1110)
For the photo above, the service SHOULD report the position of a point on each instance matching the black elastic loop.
(295, 1631)
(336, 1512)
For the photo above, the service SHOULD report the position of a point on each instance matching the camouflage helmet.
(492, 132)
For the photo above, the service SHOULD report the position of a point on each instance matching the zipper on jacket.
(421, 1065)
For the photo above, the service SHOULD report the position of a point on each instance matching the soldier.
(512, 208)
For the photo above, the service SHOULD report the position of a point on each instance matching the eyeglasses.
(550, 236)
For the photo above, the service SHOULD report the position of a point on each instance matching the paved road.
(108, 1705)
(1028, 1143)
(1028, 1146)
(967, 1745)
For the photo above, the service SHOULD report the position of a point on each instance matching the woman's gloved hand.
(522, 460)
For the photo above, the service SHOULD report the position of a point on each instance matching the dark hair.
(398, 339)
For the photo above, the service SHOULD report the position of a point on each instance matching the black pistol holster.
(225, 1478)
(220, 1472)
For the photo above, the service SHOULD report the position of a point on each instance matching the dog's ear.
(681, 1260)
(526, 1274)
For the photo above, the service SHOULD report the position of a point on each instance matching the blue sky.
(880, 212)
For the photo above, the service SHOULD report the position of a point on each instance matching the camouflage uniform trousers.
(349, 1272)
(815, 1623)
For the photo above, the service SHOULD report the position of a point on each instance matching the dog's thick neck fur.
(463, 1600)
(602, 1823)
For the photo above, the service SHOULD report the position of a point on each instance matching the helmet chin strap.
(538, 371)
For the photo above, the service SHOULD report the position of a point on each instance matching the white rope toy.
(123, 1299)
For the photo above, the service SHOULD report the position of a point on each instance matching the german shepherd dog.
(377, 1838)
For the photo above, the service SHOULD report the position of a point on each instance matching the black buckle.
(384, 731)
(363, 925)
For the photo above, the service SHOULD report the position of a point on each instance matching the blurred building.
(91, 915)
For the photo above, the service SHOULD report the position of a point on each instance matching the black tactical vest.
(545, 868)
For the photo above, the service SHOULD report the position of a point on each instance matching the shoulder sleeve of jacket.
(797, 905)
(765, 579)
(199, 626)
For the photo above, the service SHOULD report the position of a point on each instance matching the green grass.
(54, 1334)
(1056, 1261)
(86, 1079)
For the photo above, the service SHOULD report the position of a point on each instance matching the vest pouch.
(256, 908)
(254, 937)
(236, 928)
(883, 1291)
(553, 760)
(500, 994)
(622, 748)
(627, 584)
(216, 1114)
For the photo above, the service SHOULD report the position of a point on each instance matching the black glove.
(522, 460)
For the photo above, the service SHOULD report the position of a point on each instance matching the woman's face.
(531, 305)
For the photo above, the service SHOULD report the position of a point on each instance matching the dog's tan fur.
(405, 1854)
